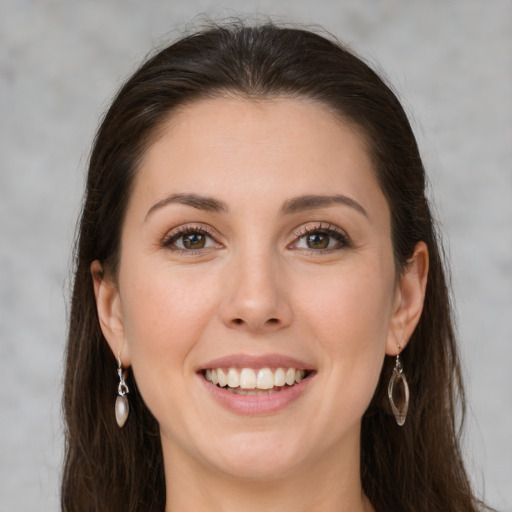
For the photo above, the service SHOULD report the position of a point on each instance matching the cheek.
(165, 312)
(350, 319)
(353, 306)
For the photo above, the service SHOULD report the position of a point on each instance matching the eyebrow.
(208, 204)
(294, 205)
(314, 202)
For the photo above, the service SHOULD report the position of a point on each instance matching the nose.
(256, 296)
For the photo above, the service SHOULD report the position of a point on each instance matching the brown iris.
(317, 241)
(194, 240)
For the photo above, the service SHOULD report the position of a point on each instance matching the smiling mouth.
(260, 381)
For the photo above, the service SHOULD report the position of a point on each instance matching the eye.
(189, 239)
(320, 237)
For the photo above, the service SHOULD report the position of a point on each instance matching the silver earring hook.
(122, 407)
(398, 363)
(122, 388)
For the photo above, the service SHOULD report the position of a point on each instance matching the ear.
(409, 299)
(110, 314)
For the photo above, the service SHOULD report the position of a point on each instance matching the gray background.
(61, 61)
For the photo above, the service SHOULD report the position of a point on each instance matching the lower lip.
(257, 405)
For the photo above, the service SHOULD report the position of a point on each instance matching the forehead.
(257, 149)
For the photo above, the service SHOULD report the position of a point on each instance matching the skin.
(257, 288)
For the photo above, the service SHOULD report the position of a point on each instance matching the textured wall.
(451, 62)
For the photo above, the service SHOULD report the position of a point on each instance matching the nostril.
(240, 321)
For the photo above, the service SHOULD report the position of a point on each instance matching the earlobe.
(409, 300)
(109, 309)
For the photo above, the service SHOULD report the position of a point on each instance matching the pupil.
(318, 241)
(193, 241)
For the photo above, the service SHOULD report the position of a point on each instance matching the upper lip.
(261, 361)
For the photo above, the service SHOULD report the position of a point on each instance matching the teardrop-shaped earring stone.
(400, 410)
(122, 410)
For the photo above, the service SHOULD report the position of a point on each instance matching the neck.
(330, 484)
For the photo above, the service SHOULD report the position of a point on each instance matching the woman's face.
(256, 245)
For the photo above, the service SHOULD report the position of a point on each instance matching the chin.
(260, 458)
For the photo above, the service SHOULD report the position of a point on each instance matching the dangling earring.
(122, 405)
(399, 411)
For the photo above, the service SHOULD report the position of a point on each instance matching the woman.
(260, 318)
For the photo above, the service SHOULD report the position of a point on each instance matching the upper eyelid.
(327, 228)
(189, 228)
(318, 226)
(302, 230)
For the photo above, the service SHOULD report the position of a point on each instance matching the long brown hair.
(415, 468)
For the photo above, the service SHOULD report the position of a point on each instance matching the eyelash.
(322, 228)
(343, 241)
(180, 232)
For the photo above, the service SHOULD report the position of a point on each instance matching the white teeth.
(233, 378)
(222, 377)
(290, 376)
(279, 377)
(299, 376)
(265, 379)
(245, 380)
